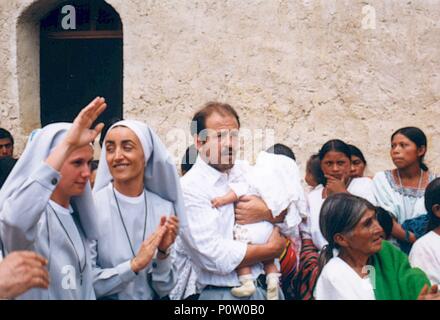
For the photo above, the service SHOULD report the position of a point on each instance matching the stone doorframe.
(28, 61)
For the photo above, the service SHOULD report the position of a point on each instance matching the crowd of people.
(129, 227)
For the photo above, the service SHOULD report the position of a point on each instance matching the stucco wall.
(310, 70)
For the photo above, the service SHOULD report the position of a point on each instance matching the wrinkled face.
(6, 148)
(366, 237)
(75, 172)
(404, 152)
(336, 164)
(124, 154)
(357, 167)
(221, 144)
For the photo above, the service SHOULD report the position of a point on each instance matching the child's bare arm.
(399, 233)
(228, 198)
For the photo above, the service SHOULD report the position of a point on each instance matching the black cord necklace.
(81, 268)
(123, 223)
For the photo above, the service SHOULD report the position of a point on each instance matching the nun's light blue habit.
(29, 220)
(114, 249)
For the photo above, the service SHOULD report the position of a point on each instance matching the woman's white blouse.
(403, 203)
(339, 281)
(362, 187)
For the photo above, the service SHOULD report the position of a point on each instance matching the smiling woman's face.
(366, 237)
(124, 154)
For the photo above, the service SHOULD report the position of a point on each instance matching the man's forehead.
(220, 122)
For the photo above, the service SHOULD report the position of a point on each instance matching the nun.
(46, 204)
(137, 190)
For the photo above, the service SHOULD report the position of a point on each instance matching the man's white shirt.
(209, 234)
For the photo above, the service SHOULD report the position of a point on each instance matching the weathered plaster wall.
(306, 69)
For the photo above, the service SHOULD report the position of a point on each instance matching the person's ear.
(198, 142)
(341, 240)
(421, 151)
(436, 210)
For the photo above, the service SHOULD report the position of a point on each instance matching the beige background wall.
(309, 69)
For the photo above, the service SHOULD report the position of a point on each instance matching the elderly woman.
(137, 190)
(357, 264)
(46, 204)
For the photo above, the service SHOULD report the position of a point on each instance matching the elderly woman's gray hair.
(340, 213)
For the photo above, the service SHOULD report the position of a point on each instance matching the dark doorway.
(78, 65)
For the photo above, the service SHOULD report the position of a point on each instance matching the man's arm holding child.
(252, 209)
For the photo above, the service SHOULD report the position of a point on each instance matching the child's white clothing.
(425, 254)
(275, 178)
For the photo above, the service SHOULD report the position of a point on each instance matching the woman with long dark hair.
(333, 177)
(335, 159)
(358, 162)
(357, 264)
(401, 190)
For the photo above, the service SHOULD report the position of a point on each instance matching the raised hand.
(81, 133)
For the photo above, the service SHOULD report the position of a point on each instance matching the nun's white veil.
(160, 175)
(40, 144)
